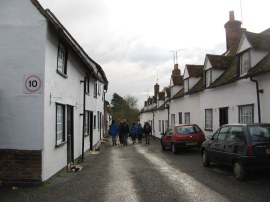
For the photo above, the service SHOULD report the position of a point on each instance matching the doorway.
(91, 131)
(70, 136)
(223, 116)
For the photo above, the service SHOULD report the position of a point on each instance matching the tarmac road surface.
(138, 173)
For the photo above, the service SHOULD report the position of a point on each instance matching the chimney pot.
(231, 13)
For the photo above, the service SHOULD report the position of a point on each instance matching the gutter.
(258, 91)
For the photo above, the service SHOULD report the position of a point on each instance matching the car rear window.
(187, 130)
(260, 133)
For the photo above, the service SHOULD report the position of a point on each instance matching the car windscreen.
(181, 130)
(259, 133)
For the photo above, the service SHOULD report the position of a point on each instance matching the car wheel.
(205, 159)
(174, 150)
(238, 170)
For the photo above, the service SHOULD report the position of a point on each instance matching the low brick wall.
(20, 166)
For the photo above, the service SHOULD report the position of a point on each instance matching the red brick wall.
(20, 166)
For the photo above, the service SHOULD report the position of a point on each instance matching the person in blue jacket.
(113, 132)
(133, 132)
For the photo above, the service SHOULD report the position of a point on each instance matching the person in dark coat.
(147, 131)
(120, 133)
(125, 132)
(139, 132)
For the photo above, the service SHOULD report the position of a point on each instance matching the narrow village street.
(142, 172)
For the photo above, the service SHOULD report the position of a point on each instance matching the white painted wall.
(242, 92)
(264, 83)
(22, 31)
(28, 121)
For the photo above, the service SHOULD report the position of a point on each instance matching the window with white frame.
(208, 119)
(87, 123)
(208, 77)
(186, 85)
(187, 117)
(244, 63)
(246, 114)
(62, 59)
(60, 123)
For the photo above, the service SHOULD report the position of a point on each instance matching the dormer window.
(244, 63)
(186, 85)
(208, 77)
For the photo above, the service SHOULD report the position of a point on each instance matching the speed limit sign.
(32, 84)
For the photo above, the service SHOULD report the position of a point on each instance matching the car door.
(217, 145)
(167, 138)
(234, 144)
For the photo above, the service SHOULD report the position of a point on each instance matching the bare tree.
(131, 101)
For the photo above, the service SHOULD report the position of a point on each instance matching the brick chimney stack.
(156, 89)
(233, 31)
(176, 71)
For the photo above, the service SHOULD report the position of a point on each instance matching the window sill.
(60, 144)
(209, 130)
(62, 74)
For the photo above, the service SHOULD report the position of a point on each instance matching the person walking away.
(147, 130)
(133, 132)
(139, 132)
(113, 132)
(120, 132)
(125, 132)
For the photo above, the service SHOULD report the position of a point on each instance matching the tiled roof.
(194, 70)
(261, 67)
(258, 41)
(177, 80)
(228, 76)
(179, 94)
(199, 86)
(62, 31)
(267, 31)
(219, 61)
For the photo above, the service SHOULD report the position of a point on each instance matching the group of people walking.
(123, 130)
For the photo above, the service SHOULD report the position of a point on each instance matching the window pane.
(59, 123)
(61, 59)
(208, 119)
(245, 63)
(246, 114)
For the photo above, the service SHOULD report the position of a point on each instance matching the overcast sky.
(133, 40)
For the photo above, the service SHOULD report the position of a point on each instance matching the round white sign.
(32, 83)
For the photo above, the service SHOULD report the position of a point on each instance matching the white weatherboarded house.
(51, 95)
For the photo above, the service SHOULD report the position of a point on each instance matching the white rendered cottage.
(51, 95)
(228, 88)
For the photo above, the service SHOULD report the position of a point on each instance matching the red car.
(182, 136)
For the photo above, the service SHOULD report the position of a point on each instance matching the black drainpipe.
(258, 91)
